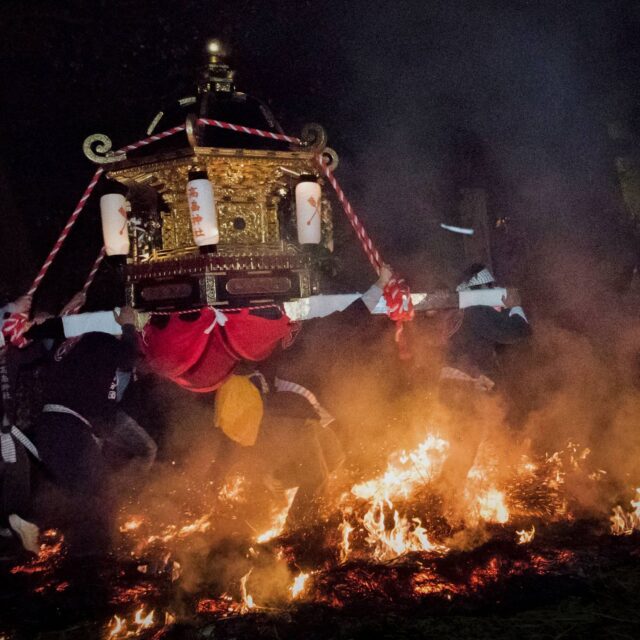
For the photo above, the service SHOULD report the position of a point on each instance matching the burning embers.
(393, 539)
(400, 511)
(50, 556)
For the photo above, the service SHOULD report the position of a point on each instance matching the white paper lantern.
(202, 208)
(115, 232)
(308, 194)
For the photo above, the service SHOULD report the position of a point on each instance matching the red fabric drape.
(172, 349)
(212, 368)
(251, 337)
(201, 354)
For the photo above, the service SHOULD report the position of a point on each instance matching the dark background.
(418, 98)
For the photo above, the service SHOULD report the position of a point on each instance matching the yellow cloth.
(238, 410)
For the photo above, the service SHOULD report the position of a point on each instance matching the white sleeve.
(518, 311)
(80, 323)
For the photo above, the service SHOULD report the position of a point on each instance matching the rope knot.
(14, 328)
(397, 297)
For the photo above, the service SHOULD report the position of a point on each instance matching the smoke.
(537, 84)
(395, 83)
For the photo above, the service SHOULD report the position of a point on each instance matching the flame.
(247, 600)
(382, 512)
(134, 594)
(132, 524)
(199, 526)
(525, 536)
(119, 626)
(171, 532)
(298, 585)
(345, 549)
(233, 489)
(49, 557)
(625, 523)
(406, 471)
(402, 538)
(279, 519)
(221, 606)
(491, 506)
(143, 622)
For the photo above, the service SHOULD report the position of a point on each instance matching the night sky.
(418, 98)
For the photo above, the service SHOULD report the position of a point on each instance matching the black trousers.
(75, 498)
(15, 486)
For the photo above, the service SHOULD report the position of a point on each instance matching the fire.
(144, 622)
(131, 525)
(199, 526)
(491, 506)
(299, 583)
(534, 488)
(172, 532)
(134, 594)
(279, 519)
(406, 471)
(221, 606)
(345, 548)
(51, 553)
(119, 625)
(402, 538)
(379, 520)
(625, 523)
(247, 600)
(233, 489)
(525, 536)
(119, 629)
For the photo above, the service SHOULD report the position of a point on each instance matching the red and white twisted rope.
(365, 240)
(94, 270)
(16, 325)
(88, 282)
(250, 130)
(396, 292)
(65, 231)
(154, 138)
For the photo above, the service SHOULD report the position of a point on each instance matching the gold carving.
(102, 153)
(248, 185)
(208, 291)
(314, 136)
